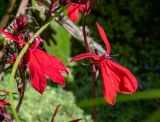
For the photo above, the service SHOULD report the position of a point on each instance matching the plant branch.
(78, 34)
(93, 69)
(22, 8)
(76, 31)
(55, 113)
(19, 57)
(15, 66)
(22, 88)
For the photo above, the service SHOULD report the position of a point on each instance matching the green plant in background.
(59, 43)
(40, 108)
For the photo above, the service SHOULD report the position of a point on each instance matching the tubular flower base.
(41, 64)
(116, 78)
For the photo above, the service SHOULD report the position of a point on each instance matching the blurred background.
(133, 30)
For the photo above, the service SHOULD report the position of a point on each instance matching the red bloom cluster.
(116, 78)
(40, 63)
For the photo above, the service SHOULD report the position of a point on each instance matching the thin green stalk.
(15, 66)
(143, 95)
(19, 57)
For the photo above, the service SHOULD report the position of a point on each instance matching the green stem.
(19, 57)
(15, 66)
(143, 95)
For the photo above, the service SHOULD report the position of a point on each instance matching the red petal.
(109, 88)
(2, 102)
(127, 82)
(12, 37)
(36, 42)
(104, 38)
(73, 12)
(37, 74)
(85, 55)
(49, 67)
(59, 64)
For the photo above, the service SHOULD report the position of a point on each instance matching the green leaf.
(150, 94)
(59, 43)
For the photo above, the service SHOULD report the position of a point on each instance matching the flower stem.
(93, 71)
(85, 36)
(19, 57)
(15, 66)
(94, 91)
(55, 113)
(22, 88)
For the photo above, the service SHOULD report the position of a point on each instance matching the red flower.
(19, 23)
(116, 78)
(13, 37)
(41, 64)
(74, 9)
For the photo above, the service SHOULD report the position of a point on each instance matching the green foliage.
(154, 117)
(2, 39)
(59, 43)
(146, 95)
(40, 108)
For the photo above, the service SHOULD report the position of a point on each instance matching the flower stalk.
(93, 70)
(19, 57)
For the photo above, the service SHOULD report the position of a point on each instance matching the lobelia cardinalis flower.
(40, 64)
(74, 9)
(116, 78)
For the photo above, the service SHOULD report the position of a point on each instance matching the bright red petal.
(87, 6)
(125, 80)
(109, 88)
(73, 12)
(37, 74)
(12, 37)
(59, 64)
(4, 103)
(104, 38)
(49, 66)
(85, 55)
